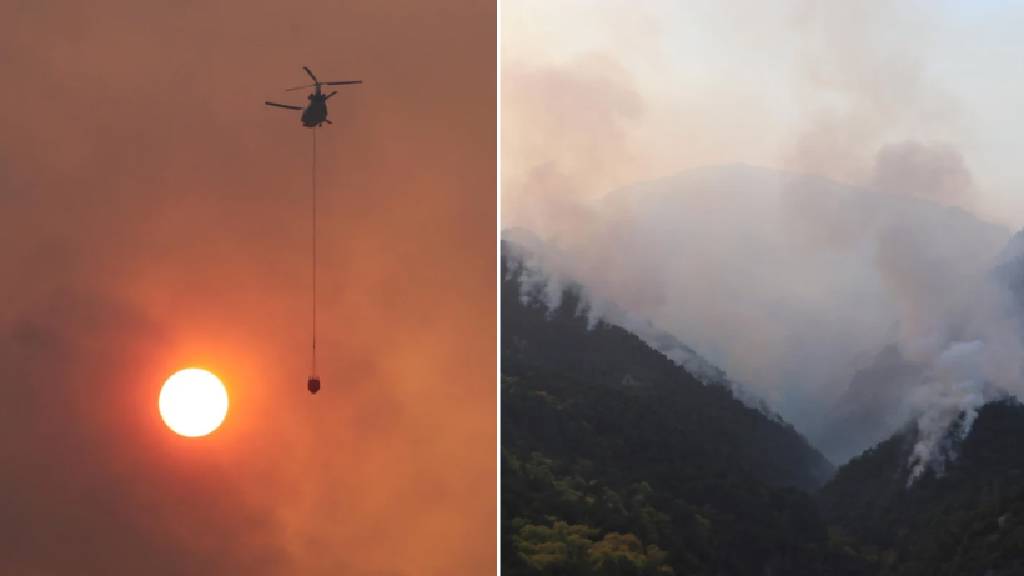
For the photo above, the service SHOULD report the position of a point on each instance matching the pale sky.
(747, 82)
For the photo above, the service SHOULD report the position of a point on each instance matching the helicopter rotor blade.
(340, 82)
(310, 72)
(300, 87)
(288, 106)
(331, 94)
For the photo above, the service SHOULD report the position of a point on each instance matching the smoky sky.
(814, 87)
(812, 195)
(156, 216)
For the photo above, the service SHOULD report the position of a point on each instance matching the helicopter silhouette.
(315, 113)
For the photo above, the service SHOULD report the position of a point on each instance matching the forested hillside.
(617, 461)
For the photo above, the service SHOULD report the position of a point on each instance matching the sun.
(193, 402)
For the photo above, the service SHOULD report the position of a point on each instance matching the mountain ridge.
(617, 460)
(966, 518)
(614, 455)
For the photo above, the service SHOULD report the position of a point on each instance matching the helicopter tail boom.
(288, 106)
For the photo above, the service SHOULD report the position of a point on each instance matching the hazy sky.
(155, 215)
(810, 86)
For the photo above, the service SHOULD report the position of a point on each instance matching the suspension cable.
(314, 252)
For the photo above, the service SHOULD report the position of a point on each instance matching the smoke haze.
(851, 285)
(156, 216)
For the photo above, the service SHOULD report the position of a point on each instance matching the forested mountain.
(966, 519)
(616, 460)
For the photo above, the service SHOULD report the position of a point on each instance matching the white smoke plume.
(859, 256)
(948, 404)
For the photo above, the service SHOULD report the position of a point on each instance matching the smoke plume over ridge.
(853, 286)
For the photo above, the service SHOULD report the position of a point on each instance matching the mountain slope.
(613, 455)
(608, 357)
(967, 520)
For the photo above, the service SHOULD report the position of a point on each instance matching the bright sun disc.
(193, 402)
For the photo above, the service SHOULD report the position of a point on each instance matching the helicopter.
(315, 113)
